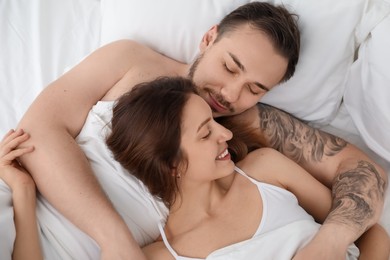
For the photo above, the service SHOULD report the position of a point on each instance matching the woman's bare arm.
(374, 244)
(26, 245)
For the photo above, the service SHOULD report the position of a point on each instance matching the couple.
(239, 62)
(183, 159)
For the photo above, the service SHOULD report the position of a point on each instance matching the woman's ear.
(208, 38)
(176, 173)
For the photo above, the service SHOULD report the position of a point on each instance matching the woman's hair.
(146, 133)
(276, 22)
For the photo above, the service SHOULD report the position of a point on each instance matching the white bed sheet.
(40, 39)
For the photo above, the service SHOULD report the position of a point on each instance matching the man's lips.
(215, 105)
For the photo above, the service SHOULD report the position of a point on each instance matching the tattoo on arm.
(294, 138)
(356, 193)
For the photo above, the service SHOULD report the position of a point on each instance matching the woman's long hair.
(146, 133)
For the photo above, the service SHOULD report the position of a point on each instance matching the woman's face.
(204, 142)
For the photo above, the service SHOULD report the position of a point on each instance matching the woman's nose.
(225, 134)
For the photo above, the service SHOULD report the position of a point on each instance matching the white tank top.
(280, 207)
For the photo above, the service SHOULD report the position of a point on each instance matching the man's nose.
(231, 92)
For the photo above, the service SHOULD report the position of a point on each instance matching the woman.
(164, 134)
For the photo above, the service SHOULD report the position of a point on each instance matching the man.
(237, 65)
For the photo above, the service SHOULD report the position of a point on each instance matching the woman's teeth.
(223, 154)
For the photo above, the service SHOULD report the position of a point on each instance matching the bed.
(342, 82)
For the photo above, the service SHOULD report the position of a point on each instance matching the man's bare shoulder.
(137, 63)
(136, 49)
(127, 50)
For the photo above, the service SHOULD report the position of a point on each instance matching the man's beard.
(194, 66)
(203, 90)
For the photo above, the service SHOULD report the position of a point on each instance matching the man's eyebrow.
(237, 61)
(261, 86)
(242, 67)
(203, 123)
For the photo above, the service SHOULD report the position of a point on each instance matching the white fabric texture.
(367, 96)
(280, 243)
(128, 195)
(39, 40)
(7, 227)
(276, 244)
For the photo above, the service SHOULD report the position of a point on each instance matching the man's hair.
(146, 133)
(276, 22)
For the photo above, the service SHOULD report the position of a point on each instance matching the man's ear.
(208, 38)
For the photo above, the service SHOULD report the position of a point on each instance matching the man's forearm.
(358, 195)
(357, 183)
(64, 177)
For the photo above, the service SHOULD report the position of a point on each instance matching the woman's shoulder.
(262, 157)
(264, 164)
(157, 250)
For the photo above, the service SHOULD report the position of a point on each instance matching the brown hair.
(146, 133)
(246, 137)
(275, 21)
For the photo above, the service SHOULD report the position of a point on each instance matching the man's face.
(235, 72)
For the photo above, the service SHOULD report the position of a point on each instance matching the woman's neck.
(200, 201)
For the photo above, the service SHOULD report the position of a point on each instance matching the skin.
(211, 192)
(27, 244)
(58, 114)
(355, 181)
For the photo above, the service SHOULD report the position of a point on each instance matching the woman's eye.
(207, 135)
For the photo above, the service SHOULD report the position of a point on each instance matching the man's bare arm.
(358, 184)
(60, 169)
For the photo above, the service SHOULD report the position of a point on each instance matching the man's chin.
(218, 114)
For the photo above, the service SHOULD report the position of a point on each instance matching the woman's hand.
(27, 244)
(11, 172)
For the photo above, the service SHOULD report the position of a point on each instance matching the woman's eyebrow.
(203, 123)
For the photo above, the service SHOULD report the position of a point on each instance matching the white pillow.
(172, 27)
(315, 91)
(367, 95)
(175, 28)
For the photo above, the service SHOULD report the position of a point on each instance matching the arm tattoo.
(294, 138)
(356, 193)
